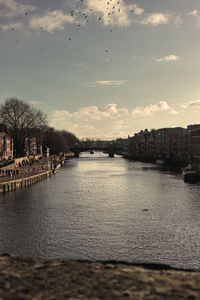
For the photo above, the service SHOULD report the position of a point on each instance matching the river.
(100, 208)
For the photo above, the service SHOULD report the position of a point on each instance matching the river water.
(100, 208)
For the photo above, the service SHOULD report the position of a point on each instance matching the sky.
(103, 68)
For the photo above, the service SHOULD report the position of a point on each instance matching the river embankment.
(27, 171)
(11, 185)
(33, 278)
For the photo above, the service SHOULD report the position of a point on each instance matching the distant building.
(122, 144)
(6, 144)
(194, 141)
(30, 146)
(164, 143)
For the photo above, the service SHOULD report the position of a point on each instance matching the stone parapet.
(33, 278)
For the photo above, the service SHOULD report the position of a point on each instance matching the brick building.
(194, 141)
(167, 143)
(6, 145)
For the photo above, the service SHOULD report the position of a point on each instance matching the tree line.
(22, 122)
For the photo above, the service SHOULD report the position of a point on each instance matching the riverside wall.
(11, 185)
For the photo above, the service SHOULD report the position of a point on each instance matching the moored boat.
(189, 175)
(159, 162)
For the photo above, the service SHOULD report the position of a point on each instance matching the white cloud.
(184, 106)
(61, 115)
(194, 103)
(137, 10)
(12, 8)
(150, 109)
(111, 120)
(193, 13)
(113, 12)
(12, 26)
(172, 111)
(156, 19)
(91, 113)
(51, 21)
(110, 82)
(190, 104)
(170, 57)
(96, 112)
(34, 102)
(92, 121)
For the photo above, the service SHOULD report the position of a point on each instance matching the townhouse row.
(181, 144)
(30, 146)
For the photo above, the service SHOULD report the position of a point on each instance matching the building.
(164, 144)
(30, 146)
(194, 141)
(6, 145)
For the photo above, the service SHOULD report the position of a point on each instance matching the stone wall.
(12, 185)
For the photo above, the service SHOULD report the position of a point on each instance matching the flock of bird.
(113, 7)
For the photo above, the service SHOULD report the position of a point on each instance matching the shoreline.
(12, 185)
(35, 278)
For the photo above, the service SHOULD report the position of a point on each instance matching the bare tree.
(22, 121)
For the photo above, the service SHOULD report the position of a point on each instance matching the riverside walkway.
(12, 177)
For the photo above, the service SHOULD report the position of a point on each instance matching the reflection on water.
(105, 208)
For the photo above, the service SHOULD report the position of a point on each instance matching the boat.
(159, 162)
(189, 175)
(91, 152)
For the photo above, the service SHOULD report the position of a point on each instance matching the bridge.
(110, 150)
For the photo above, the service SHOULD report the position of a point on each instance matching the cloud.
(87, 113)
(80, 64)
(110, 82)
(194, 103)
(150, 109)
(61, 115)
(12, 8)
(51, 21)
(190, 104)
(156, 19)
(170, 57)
(172, 111)
(92, 120)
(193, 13)
(12, 26)
(111, 121)
(113, 13)
(96, 112)
(137, 10)
(34, 102)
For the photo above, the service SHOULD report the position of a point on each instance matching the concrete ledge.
(12, 185)
(31, 278)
